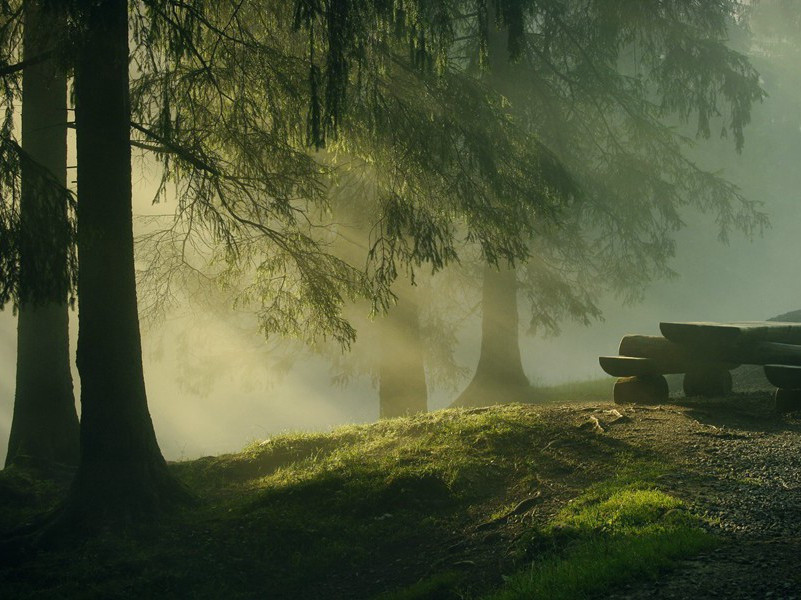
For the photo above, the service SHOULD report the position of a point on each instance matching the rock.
(593, 424)
(615, 417)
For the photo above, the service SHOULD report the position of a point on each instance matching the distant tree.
(427, 139)
(44, 428)
(581, 173)
(597, 83)
(402, 388)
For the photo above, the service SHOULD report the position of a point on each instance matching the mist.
(214, 383)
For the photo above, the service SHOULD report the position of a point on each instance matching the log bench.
(705, 353)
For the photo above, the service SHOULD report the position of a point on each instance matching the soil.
(742, 469)
(740, 466)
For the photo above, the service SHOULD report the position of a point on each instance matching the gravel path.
(744, 472)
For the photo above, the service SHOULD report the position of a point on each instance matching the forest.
(306, 299)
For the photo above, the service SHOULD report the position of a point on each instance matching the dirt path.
(743, 470)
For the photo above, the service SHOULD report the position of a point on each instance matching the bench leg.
(708, 382)
(646, 389)
(787, 400)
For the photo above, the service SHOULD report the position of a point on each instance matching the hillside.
(517, 501)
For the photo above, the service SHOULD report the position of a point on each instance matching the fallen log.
(784, 376)
(648, 389)
(703, 334)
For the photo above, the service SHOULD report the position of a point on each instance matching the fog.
(214, 384)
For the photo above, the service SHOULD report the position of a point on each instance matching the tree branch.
(6, 70)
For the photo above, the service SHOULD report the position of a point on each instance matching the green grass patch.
(620, 530)
(390, 510)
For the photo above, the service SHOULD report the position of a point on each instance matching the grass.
(394, 510)
(621, 530)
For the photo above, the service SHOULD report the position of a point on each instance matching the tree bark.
(122, 473)
(499, 375)
(44, 429)
(402, 386)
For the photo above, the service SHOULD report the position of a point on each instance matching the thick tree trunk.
(402, 386)
(122, 474)
(44, 429)
(499, 375)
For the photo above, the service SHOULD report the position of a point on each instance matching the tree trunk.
(122, 474)
(402, 386)
(44, 429)
(499, 375)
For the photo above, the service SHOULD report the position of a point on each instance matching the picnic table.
(705, 353)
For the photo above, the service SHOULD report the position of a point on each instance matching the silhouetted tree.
(121, 472)
(44, 429)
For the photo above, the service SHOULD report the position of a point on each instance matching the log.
(703, 334)
(669, 356)
(787, 400)
(766, 353)
(708, 382)
(648, 389)
(629, 366)
(746, 351)
(784, 376)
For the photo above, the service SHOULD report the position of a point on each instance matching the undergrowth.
(620, 530)
(397, 509)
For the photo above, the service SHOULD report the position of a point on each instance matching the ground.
(742, 469)
(582, 499)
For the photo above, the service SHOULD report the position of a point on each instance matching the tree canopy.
(558, 150)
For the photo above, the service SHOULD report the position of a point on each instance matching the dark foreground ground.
(697, 499)
(741, 467)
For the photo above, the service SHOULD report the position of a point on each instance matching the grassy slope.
(406, 508)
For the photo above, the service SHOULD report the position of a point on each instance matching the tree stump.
(708, 382)
(787, 400)
(646, 389)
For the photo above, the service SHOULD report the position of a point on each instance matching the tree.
(581, 171)
(121, 471)
(595, 84)
(226, 117)
(424, 182)
(499, 376)
(44, 429)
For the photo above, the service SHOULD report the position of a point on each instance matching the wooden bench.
(705, 353)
